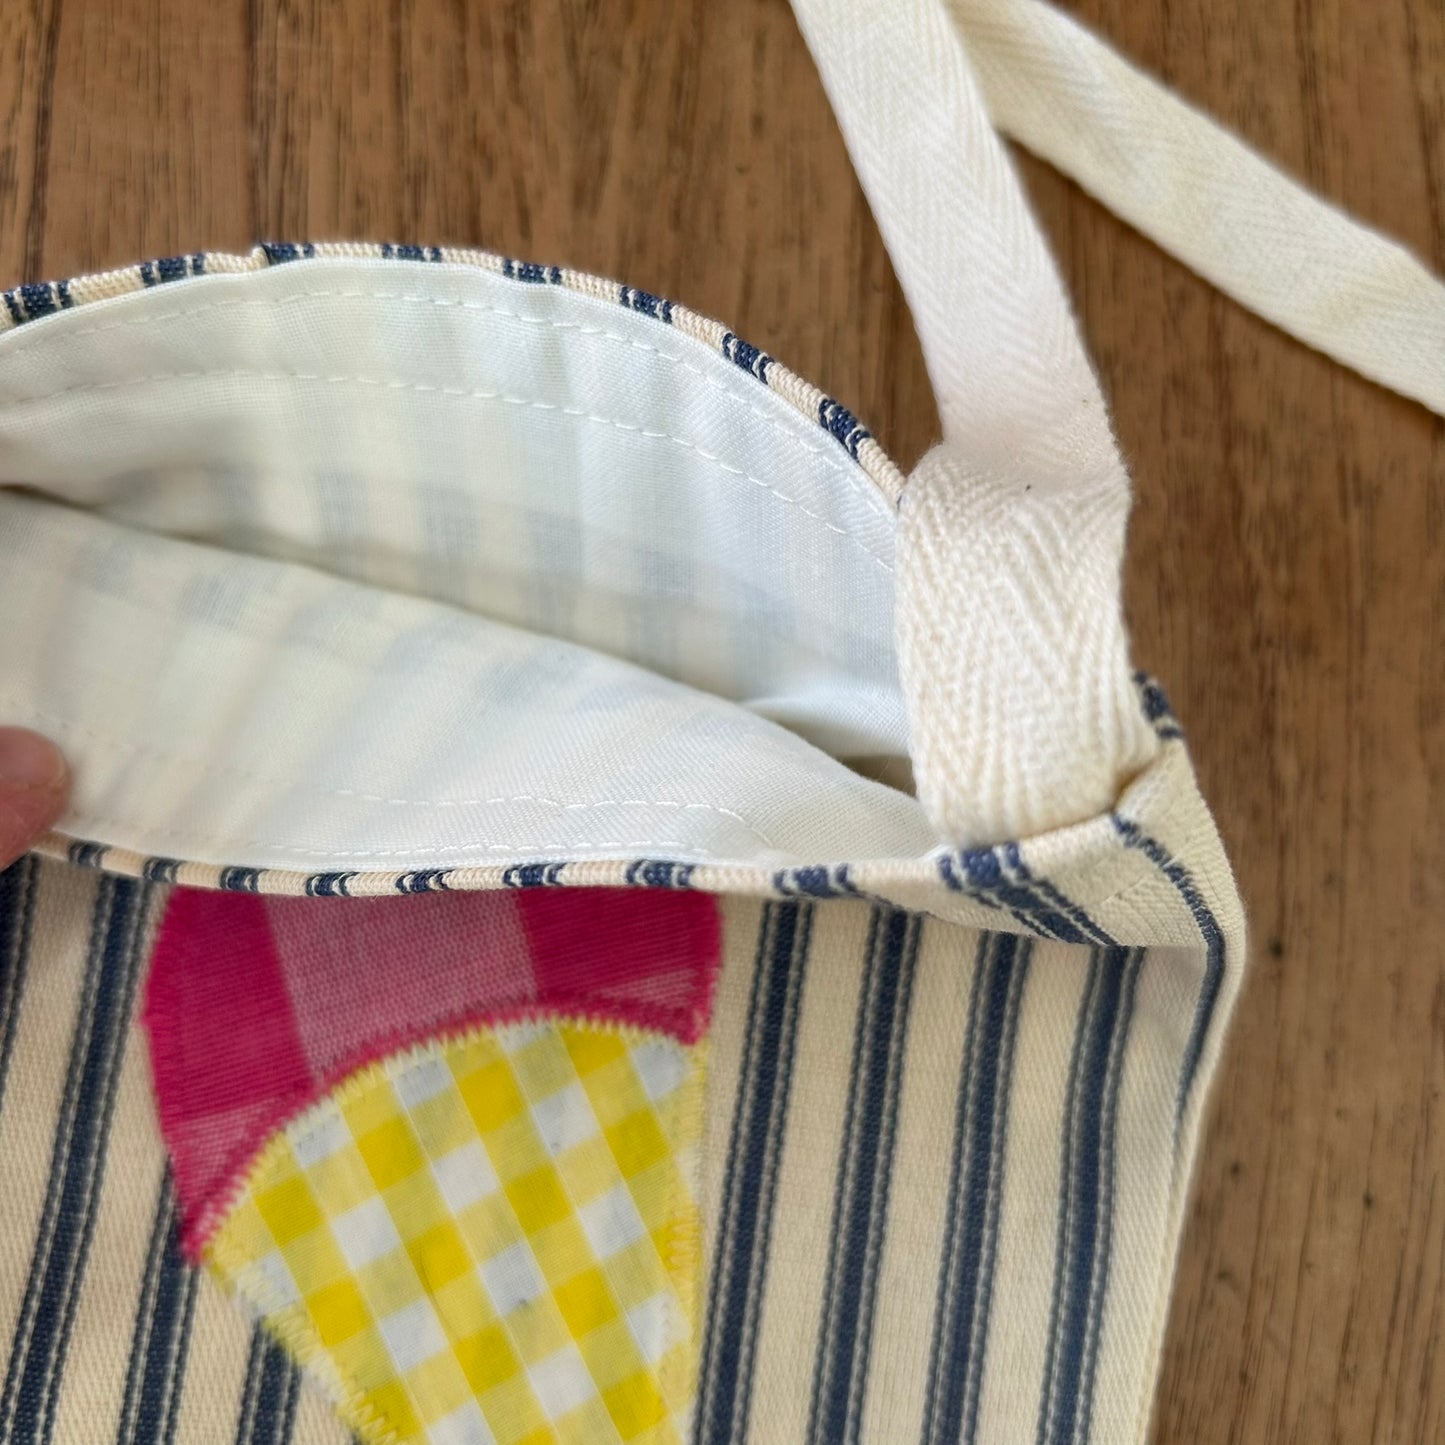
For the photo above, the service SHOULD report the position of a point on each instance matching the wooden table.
(1287, 562)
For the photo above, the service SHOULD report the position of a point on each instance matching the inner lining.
(376, 564)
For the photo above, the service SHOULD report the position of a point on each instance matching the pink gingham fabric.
(257, 1005)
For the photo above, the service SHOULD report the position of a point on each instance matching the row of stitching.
(291, 1324)
(826, 455)
(204, 765)
(418, 856)
(460, 393)
(308, 1109)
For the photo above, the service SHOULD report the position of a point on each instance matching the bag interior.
(379, 565)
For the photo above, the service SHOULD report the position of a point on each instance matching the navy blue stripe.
(1084, 1222)
(1076, 1053)
(865, 1168)
(239, 880)
(145, 1312)
(817, 881)
(1209, 931)
(999, 878)
(276, 1401)
(645, 302)
(160, 870)
(246, 1410)
(38, 299)
(658, 873)
(170, 1347)
(1042, 888)
(198, 263)
(978, 874)
(531, 272)
(37, 1359)
(965, 1285)
(161, 1337)
(17, 911)
(745, 1220)
(148, 273)
(834, 417)
(246, 1433)
(533, 875)
(1108, 1132)
(276, 1398)
(12, 305)
(424, 880)
(744, 354)
(62, 290)
(86, 855)
(329, 885)
(268, 1403)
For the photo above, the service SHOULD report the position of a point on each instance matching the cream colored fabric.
(1207, 198)
(107, 1335)
(856, 1055)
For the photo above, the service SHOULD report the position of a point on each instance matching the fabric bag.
(595, 909)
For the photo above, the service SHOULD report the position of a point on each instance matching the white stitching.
(121, 744)
(419, 852)
(463, 393)
(827, 455)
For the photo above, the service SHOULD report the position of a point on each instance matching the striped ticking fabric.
(943, 1170)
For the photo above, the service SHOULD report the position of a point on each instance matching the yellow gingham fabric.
(489, 1240)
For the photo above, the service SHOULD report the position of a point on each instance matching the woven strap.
(1206, 198)
(1011, 642)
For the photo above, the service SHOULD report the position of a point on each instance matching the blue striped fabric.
(739, 1273)
(268, 1401)
(1214, 944)
(965, 1276)
(865, 1173)
(183, 1372)
(17, 896)
(1081, 1253)
(78, 1143)
(879, 1087)
(162, 1330)
(945, 1180)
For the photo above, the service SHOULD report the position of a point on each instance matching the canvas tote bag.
(595, 909)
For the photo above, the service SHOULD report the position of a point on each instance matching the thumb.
(34, 786)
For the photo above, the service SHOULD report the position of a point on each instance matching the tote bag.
(595, 909)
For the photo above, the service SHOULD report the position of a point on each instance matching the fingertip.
(34, 789)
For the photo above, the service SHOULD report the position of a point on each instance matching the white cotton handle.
(1207, 198)
(1009, 626)
(1022, 712)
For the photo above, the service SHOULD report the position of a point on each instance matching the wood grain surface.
(1287, 561)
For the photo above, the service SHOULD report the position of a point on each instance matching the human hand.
(34, 787)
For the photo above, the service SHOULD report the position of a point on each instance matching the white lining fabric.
(368, 567)
(373, 565)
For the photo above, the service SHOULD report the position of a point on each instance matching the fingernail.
(28, 761)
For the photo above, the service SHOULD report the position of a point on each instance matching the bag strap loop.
(1022, 706)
